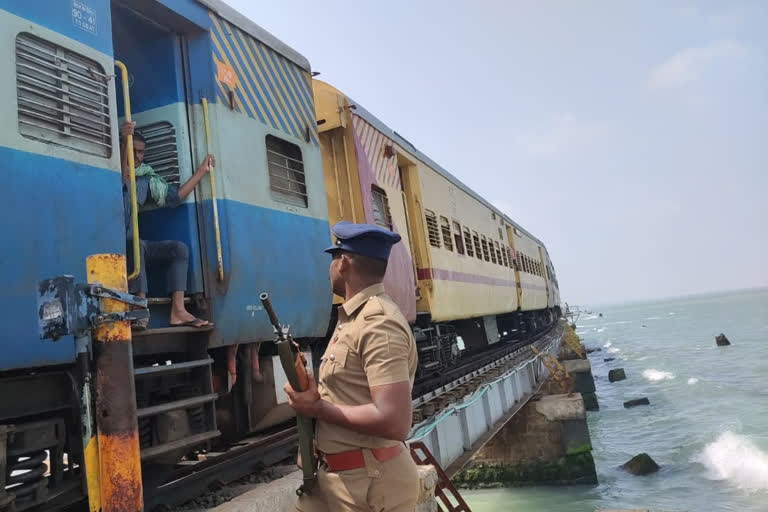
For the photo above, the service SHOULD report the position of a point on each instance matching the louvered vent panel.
(162, 151)
(63, 97)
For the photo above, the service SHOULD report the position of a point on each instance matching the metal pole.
(90, 440)
(116, 424)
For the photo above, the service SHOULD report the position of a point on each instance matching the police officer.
(362, 402)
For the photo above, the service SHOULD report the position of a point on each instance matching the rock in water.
(641, 464)
(636, 402)
(609, 359)
(616, 375)
(592, 349)
(722, 340)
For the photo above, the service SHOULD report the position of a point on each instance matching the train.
(294, 155)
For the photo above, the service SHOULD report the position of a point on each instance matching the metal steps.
(181, 390)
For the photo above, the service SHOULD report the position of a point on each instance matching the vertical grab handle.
(131, 173)
(217, 232)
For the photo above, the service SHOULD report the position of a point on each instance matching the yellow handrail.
(217, 233)
(131, 173)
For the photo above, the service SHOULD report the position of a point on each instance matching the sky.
(630, 137)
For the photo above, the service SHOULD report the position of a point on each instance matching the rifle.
(296, 371)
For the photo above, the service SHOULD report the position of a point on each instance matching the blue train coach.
(62, 201)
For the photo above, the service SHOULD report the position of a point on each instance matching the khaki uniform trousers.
(391, 486)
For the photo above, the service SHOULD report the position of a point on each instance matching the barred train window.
(504, 255)
(478, 250)
(457, 238)
(63, 97)
(468, 242)
(485, 248)
(381, 214)
(493, 252)
(286, 172)
(445, 227)
(434, 234)
(498, 252)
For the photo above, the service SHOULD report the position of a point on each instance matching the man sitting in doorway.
(153, 189)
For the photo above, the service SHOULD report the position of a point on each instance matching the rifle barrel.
(270, 312)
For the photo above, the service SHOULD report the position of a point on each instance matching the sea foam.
(736, 459)
(652, 375)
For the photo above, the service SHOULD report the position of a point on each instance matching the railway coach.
(465, 273)
(201, 79)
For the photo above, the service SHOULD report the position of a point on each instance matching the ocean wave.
(692, 381)
(613, 350)
(737, 459)
(601, 329)
(652, 375)
(653, 318)
(607, 344)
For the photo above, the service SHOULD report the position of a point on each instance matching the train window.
(478, 250)
(434, 234)
(445, 227)
(162, 152)
(63, 97)
(501, 236)
(457, 238)
(493, 252)
(486, 255)
(498, 253)
(381, 213)
(493, 215)
(468, 241)
(286, 171)
(504, 255)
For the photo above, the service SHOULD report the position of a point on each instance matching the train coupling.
(65, 307)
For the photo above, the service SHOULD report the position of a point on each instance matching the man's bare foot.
(187, 319)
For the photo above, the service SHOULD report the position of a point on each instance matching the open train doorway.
(150, 40)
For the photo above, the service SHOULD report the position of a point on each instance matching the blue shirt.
(143, 197)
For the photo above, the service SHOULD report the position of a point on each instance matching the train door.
(151, 47)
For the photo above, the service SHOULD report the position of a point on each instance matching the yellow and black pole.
(116, 424)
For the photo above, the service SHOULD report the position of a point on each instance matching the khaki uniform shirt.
(372, 345)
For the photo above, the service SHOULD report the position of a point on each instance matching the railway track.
(191, 478)
(475, 365)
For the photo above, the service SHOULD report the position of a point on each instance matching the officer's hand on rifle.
(307, 402)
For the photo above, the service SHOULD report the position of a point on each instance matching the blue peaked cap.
(365, 239)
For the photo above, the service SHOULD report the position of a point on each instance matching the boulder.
(616, 375)
(641, 464)
(722, 340)
(609, 359)
(590, 350)
(636, 402)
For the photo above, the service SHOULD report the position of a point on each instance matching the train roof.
(402, 141)
(262, 35)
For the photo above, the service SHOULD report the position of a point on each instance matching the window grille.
(445, 227)
(493, 252)
(504, 256)
(63, 97)
(478, 250)
(457, 238)
(468, 241)
(486, 255)
(381, 213)
(501, 235)
(162, 152)
(434, 234)
(286, 172)
(498, 252)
